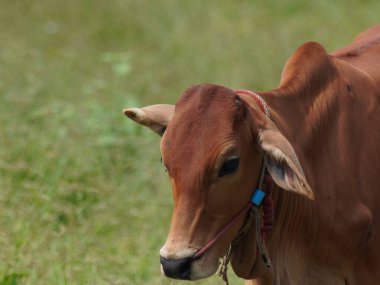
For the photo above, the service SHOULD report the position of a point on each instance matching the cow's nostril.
(177, 268)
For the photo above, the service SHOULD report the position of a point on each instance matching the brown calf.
(321, 143)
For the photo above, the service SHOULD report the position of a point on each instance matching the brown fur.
(330, 114)
(327, 109)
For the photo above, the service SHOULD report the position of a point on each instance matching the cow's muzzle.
(177, 268)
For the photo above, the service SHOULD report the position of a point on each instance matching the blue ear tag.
(258, 197)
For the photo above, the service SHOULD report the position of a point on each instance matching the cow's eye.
(229, 166)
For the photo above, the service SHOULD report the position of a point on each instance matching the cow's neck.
(305, 110)
(323, 107)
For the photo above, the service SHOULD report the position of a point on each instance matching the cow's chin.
(209, 264)
(204, 267)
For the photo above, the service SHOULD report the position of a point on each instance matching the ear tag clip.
(258, 197)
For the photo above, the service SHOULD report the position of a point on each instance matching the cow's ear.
(282, 162)
(155, 117)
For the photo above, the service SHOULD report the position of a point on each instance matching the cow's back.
(364, 53)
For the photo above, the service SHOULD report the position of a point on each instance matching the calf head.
(213, 144)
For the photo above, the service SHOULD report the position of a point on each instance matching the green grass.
(83, 197)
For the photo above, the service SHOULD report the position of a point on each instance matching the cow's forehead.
(204, 121)
(202, 113)
(204, 95)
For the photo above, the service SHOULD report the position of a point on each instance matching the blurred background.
(84, 198)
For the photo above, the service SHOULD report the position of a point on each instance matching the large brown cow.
(321, 146)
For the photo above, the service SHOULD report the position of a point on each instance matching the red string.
(222, 231)
(268, 207)
(268, 217)
(253, 95)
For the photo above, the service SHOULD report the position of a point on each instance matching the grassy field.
(84, 199)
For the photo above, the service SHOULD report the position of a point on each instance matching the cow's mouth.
(186, 267)
(189, 269)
